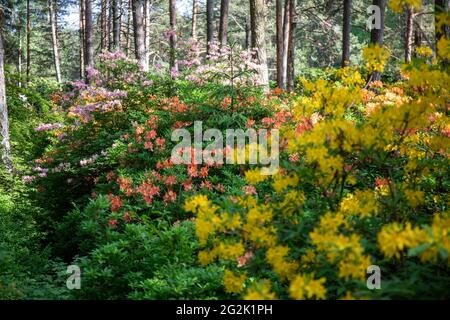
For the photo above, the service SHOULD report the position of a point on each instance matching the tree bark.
(409, 33)
(209, 23)
(286, 35)
(194, 20)
(20, 47)
(146, 27)
(5, 146)
(56, 60)
(258, 27)
(223, 26)
(440, 7)
(103, 23)
(173, 38)
(82, 41)
(290, 69)
(129, 21)
(248, 33)
(139, 34)
(89, 45)
(116, 25)
(377, 35)
(346, 33)
(28, 44)
(418, 37)
(280, 43)
(109, 24)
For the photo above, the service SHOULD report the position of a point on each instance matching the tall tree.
(88, 37)
(194, 20)
(377, 34)
(279, 44)
(139, 34)
(223, 25)
(440, 7)
(258, 27)
(283, 30)
(53, 26)
(290, 69)
(409, 33)
(346, 32)
(418, 33)
(146, 27)
(104, 25)
(285, 47)
(28, 41)
(82, 42)
(109, 25)
(129, 21)
(5, 146)
(116, 24)
(19, 47)
(209, 23)
(248, 33)
(173, 38)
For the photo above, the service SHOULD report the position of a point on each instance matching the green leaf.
(418, 250)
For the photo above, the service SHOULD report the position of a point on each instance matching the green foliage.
(146, 251)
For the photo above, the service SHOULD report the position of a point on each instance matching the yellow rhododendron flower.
(233, 283)
(306, 287)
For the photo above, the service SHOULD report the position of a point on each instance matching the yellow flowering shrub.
(375, 57)
(363, 181)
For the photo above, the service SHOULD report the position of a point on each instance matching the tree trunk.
(109, 24)
(82, 41)
(129, 21)
(377, 35)
(209, 23)
(194, 20)
(223, 26)
(346, 33)
(258, 27)
(89, 45)
(19, 48)
(290, 69)
(173, 38)
(440, 7)
(409, 33)
(28, 71)
(103, 25)
(248, 33)
(139, 34)
(52, 19)
(280, 42)
(5, 146)
(418, 38)
(286, 34)
(146, 26)
(116, 25)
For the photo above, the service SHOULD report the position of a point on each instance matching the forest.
(224, 150)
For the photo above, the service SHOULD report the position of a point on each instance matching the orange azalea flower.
(381, 182)
(170, 181)
(203, 172)
(220, 188)
(170, 196)
(127, 217)
(148, 145)
(249, 190)
(187, 186)
(160, 142)
(115, 202)
(192, 171)
(113, 223)
(242, 261)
